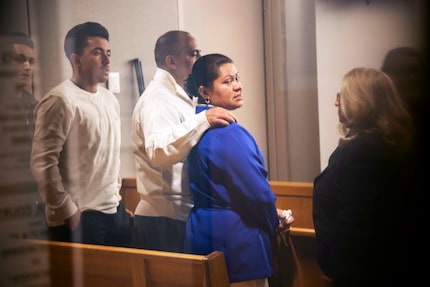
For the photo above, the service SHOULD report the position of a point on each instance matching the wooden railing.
(295, 262)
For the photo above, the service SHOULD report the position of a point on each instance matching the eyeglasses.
(194, 53)
(22, 59)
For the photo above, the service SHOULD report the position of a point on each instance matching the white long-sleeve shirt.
(76, 151)
(164, 129)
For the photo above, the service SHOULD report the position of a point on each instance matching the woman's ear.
(202, 92)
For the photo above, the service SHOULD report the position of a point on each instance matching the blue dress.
(234, 208)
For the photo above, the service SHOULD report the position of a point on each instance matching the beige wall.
(235, 28)
(356, 33)
(291, 89)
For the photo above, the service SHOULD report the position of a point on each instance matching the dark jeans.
(97, 228)
(158, 233)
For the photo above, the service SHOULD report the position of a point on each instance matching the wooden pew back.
(74, 264)
(295, 262)
(296, 196)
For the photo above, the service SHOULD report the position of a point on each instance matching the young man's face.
(94, 63)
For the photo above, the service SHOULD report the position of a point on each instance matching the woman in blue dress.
(234, 208)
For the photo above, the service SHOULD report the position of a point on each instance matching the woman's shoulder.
(233, 128)
(368, 147)
(366, 141)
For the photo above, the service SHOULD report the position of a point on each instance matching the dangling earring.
(207, 101)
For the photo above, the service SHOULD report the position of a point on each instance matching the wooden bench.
(86, 265)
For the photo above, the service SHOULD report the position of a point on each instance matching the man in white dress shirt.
(164, 129)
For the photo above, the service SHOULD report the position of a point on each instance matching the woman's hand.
(285, 219)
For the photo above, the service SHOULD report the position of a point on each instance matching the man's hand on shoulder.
(217, 116)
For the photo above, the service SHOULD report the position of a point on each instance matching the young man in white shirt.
(76, 147)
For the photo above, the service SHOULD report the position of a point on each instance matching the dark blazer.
(358, 214)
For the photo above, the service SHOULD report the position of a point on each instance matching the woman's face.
(337, 103)
(227, 89)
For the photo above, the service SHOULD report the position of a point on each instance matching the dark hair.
(170, 43)
(7, 41)
(205, 71)
(393, 54)
(21, 38)
(76, 39)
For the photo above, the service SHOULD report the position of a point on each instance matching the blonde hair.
(370, 104)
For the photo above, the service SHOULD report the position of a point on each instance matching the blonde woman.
(358, 198)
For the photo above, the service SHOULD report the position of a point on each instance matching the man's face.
(94, 63)
(189, 53)
(23, 61)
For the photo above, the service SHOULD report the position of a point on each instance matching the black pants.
(97, 228)
(158, 233)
